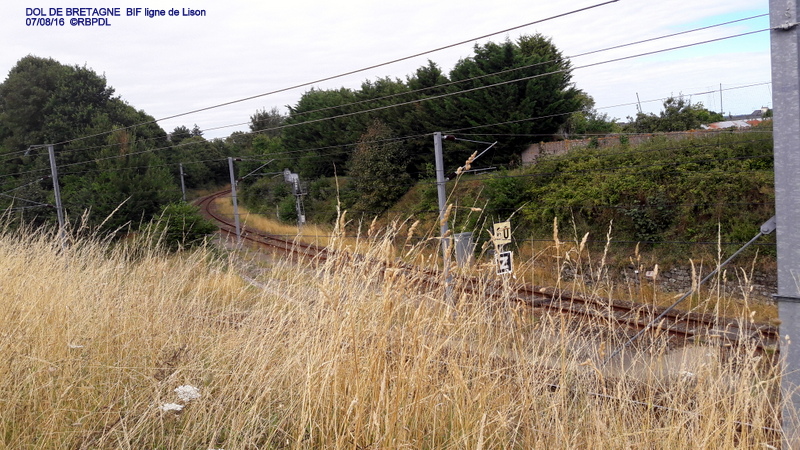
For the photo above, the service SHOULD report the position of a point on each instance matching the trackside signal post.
(785, 49)
(298, 192)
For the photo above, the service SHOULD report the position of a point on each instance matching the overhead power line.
(516, 80)
(501, 72)
(352, 72)
(336, 146)
(476, 78)
(461, 130)
(444, 95)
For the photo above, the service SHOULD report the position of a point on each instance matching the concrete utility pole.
(440, 187)
(785, 46)
(183, 186)
(57, 194)
(235, 203)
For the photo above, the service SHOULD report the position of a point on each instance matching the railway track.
(683, 326)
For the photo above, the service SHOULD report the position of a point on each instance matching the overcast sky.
(174, 64)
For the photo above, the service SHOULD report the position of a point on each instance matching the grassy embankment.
(96, 339)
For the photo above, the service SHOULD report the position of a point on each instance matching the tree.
(179, 134)
(429, 79)
(378, 170)
(267, 159)
(203, 162)
(320, 139)
(678, 114)
(589, 121)
(107, 161)
(532, 99)
(267, 122)
(42, 101)
(125, 186)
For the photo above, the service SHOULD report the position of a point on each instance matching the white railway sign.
(502, 233)
(505, 263)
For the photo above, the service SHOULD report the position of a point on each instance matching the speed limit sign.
(502, 233)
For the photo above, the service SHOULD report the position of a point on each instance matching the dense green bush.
(662, 190)
(180, 226)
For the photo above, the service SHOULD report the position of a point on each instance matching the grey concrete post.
(183, 186)
(235, 203)
(57, 194)
(785, 42)
(440, 188)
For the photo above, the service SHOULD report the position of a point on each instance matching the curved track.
(681, 325)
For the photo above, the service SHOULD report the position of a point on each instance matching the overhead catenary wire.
(506, 82)
(278, 157)
(385, 107)
(352, 72)
(25, 185)
(501, 72)
(477, 88)
(23, 208)
(401, 138)
(610, 154)
(461, 130)
(570, 57)
(606, 169)
(35, 203)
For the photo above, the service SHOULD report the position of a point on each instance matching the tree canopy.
(519, 90)
(378, 170)
(516, 92)
(679, 114)
(106, 163)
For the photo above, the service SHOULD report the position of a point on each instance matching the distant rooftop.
(731, 124)
(739, 120)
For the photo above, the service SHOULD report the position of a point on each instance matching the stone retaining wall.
(534, 151)
(762, 286)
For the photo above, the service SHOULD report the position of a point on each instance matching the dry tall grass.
(311, 233)
(96, 338)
